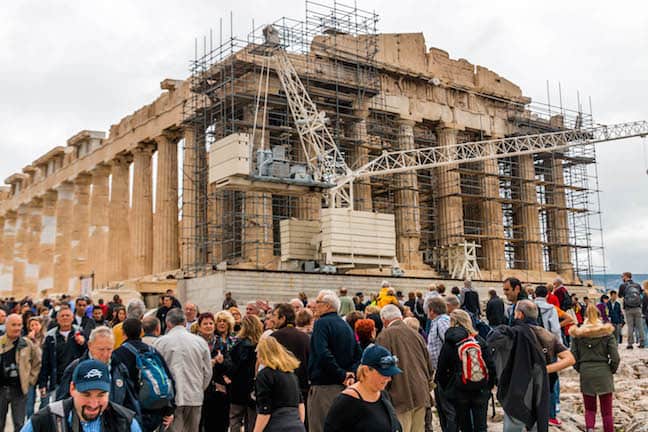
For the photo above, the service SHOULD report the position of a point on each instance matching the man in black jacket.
(495, 309)
(88, 408)
(295, 341)
(333, 358)
(80, 319)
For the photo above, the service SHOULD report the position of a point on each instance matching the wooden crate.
(229, 157)
(298, 239)
(358, 237)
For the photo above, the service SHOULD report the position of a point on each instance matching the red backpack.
(474, 373)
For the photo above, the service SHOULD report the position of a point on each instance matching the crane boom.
(430, 157)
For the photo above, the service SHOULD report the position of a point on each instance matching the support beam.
(119, 231)
(62, 246)
(80, 232)
(165, 219)
(450, 224)
(98, 228)
(47, 244)
(141, 235)
(407, 216)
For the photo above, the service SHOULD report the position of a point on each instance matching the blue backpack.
(154, 387)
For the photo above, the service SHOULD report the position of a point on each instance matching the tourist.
(63, 344)
(162, 311)
(89, 408)
(242, 406)
(469, 399)
(602, 307)
(597, 360)
(119, 315)
(495, 309)
(453, 302)
(135, 310)
(279, 402)
(358, 301)
(364, 406)
(98, 318)
(126, 356)
(372, 312)
(513, 292)
(644, 311)
(346, 303)
(189, 360)
(191, 312)
(547, 313)
(352, 317)
(295, 341)
(217, 332)
(36, 335)
(304, 321)
(86, 323)
(470, 299)
(560, 291)
(409, 393)
(228, 301)
(115, 303)
(630, 292)
(523, 382)
(333, 359)
(251, 308)
(615, 312)
(21, 361)
(151, 328)
(365, 330)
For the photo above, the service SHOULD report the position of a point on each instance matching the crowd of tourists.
(331, 363)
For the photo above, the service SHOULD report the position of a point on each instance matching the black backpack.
(567, 302)
(632, 295)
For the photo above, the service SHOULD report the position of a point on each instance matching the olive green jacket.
(28, 360)
(597, 357)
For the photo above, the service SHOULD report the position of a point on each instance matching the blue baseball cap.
(379, 358)
(91, 375)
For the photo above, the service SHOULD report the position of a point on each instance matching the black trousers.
(471, 414)
(215, 412)
(446, 411)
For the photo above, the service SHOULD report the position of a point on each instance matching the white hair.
(101, 331)
(467, 283)
(135, 309)
(296, 300)
(329, 297)
(385, 284)
(390, 313)
(559, 280)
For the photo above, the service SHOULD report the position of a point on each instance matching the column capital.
(144, 147)
(449, 126)
(406, 122)
(49, 197)
(173, 135)
(83, 179)
(35, 203)
(101, 169)
(64, 187)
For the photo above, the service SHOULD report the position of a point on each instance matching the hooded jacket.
(597, 357)
(550, 320)
(523, 383)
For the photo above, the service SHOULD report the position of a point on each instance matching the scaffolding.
(535, 213)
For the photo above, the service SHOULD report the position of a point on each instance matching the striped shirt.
(436, 337)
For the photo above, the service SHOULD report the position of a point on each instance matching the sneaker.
(554, 422)
(629, 347)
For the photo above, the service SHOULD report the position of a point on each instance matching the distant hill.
(612, 281)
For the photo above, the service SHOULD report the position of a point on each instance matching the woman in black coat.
(470, 398)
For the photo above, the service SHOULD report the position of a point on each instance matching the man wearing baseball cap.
(89, 409)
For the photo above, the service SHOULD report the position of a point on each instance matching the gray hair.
(528, 308)
(135, 309)
(559, 280)
(467, 283)
(452, 300)
(329, 297)
(390, 313)
(175, 317)
(150, 324)
(437, 305)
(385, 284)
(101, 331)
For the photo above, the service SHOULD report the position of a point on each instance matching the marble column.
(141, 235)
(359, 156)
(165, 219)
(530, 250)
(558, 222)
(2, 260)
(8, 242)
(20, 251)
(33, 246)
(118, 218)
(98, 225)
(63, 244)
(80, 231)
(47, 243)
(190, 214)
(450, 224)
(493, 243)
(406, 203)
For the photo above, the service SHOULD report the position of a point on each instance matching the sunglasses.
(388, 361)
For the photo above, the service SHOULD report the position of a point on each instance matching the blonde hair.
(462, 319)
(228, 317)
(251, 328)
(412, 323)
(362, 372)
(273, 355)
(372, 309)
(592, 315)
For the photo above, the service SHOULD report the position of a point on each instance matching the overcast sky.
(73, 65)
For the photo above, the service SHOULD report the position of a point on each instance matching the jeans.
(10, 395)
(31, 401)
(241, 416)
(617, 332)
(635, 322)
(514, 425)
(471, 414)
(645, 333)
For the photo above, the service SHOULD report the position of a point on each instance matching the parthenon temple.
(157, 196)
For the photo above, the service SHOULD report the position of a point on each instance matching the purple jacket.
(603, 310)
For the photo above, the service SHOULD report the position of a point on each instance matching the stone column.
(80, 232)
(529, 224)
(191, 217)
(47, 243)
(33, 246)
(2, 260)
(98, 225)
(450, 206)
(63, 245)
(8, 242)
(406, 203)
(558, 222)
(141, 235)
(118, 218)
(20, 251)
(493, 243)
(165, 219)
(358, 156)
